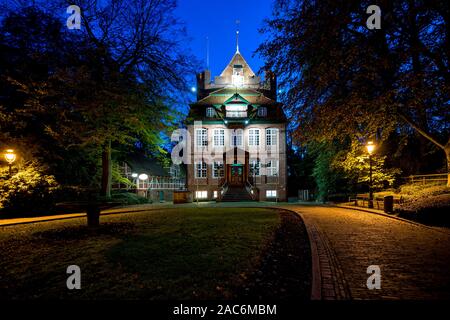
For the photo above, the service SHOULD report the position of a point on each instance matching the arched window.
(219, 137)
(253, 137)
(271, 137)
(201, 137)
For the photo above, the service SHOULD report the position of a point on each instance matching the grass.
(189, 253)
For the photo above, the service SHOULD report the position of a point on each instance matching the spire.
(237, 35)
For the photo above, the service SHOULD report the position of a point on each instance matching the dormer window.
(210, 112)
(236, 110)
(262, 112)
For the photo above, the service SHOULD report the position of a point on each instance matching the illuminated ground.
(414, 259)
(182, 253)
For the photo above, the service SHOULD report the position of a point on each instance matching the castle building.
(238, 137)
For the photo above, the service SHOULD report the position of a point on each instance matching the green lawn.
(189, 253)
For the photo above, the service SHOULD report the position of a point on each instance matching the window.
(215, 194)
(236, 114)
(201, 194)
(271, 193)
(255, 165)
(218, 171)
(272, 168)
(236, 110)
(200, 170)
(201, 137)
(219, 137)
(238, 75)
(253, 137)
(236, 138)
(262, 112)
(174, 171)
(271, 137)
(210, 112)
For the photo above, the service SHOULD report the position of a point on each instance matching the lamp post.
(10, 157)
(370, 148)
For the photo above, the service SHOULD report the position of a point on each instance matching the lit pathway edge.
(328, 281)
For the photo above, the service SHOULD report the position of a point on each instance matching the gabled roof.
(236, 99)
(237, 59)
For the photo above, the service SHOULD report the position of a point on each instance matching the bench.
(378, 202)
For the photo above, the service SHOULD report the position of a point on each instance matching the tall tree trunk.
(106, 170)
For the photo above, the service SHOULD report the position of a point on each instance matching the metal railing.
(252, 190)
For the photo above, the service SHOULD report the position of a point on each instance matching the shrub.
(430, 210)
(428, 204)
(415, 191)
(28, 191)
(128, 198)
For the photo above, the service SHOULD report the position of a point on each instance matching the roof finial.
(237, 35)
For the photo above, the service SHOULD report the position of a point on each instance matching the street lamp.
(10, 157)
(370, 148)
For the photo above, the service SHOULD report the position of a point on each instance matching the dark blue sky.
(217, 20)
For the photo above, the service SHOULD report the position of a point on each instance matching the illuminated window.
(200, 169)
(215, 194)
(218, 171)
(253, 137)
(271, 193)
(219, 137)
(255, 166)
(236, 138)
(272, 168)
(236, 114)
(210, 112)
(201, 137)
(262, 112)
(238, 75)
(201, 194)
(271, 137)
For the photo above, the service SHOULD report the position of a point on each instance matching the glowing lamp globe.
(370, 147)
(10, 156)
(143, 176)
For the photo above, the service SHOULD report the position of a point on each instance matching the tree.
(328, 178)
(355, 164)
(345, 80)
(107, 86)
(138, 39)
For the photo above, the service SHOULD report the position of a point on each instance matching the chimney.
(271, 83)
(203, 81)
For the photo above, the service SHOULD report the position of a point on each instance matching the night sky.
(216, 19)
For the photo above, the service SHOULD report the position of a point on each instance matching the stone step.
(235, 194)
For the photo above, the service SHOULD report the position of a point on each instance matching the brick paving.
(414, 260)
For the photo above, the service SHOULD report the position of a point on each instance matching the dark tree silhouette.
(346, 80)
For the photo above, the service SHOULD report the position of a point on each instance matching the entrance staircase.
(234, 194)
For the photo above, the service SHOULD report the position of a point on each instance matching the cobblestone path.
(414, 260)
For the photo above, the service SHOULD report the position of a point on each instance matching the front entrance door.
(236, 177)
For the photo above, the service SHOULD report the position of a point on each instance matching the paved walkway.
(414, 259)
